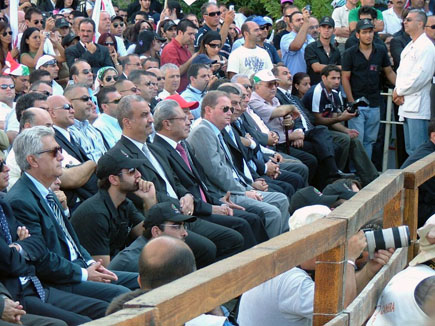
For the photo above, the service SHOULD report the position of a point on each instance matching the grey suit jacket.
(217, 167)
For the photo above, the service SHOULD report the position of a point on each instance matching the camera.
(396, 237)
(353, 107)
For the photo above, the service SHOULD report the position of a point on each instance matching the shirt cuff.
(84, 275)
(253, 144)
(90, 262)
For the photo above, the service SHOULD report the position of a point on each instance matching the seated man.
(289, 297)
(162, 219)
(105, 222)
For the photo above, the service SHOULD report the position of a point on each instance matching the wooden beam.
(393, 212)
(341, 320)
(129, 317)
(420, 171)
(410, 216)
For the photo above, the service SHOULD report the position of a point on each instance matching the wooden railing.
(394, 195)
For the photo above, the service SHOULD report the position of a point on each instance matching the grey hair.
(164, 110)
(230, 88)
(29, 142)
(124, 107)
(167, 67)
(211, 99)
(421, 15)
(237, 76)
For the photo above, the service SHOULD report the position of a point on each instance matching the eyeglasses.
(160, 78)
(212, 14)
(108, 43)
(150, 83)
(225, 109)
(115, 25)
(53, 151)
(272, 84)
(83, 98)
(37, 22)
(430, 26)
(116, 101)
(86, 71)
(247, 86)
(66, 107)
(177, 227)
(50, 63)
(186, 118)
(264, 27)
(214, 46)
(108, 79)
(5, 86)
(7, 33)
(408, 19)
(133, 89)
(130, 171)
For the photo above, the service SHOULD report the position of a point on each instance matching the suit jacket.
(100, 58)
(191, 179)
(397, 44)
(283, 99)
(252, 128)
(149, 173)
(90, 188)
(207, 150)
(32, 210)
(12, 263)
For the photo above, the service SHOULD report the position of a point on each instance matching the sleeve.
(277, 40)
(336, 16)
(121, 47)
(275, 57)
(395, 50)
(169, 55)
(261, 109)
(310, 54)
(346, 61)
(385, 59)
(233, 64)
(353, 15)
(13, 264)
(286, 40)
(134, 215)
(380, 16)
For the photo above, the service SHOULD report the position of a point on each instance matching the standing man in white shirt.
(393, 17)
(413, 83)
(341, 19)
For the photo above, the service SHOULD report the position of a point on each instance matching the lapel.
(72, 149)
(135, 152)
(230, 142)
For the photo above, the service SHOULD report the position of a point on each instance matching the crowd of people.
(152, 142)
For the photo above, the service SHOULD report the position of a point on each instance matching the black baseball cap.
(114, 161)
(339, 188)
(327, 21)
(62, 22)
(166, 211)
(310, 196)
(69, 38)
(168, 25)
(364, 24)
(116, 17)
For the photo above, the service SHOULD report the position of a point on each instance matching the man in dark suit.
(18, 252)
(136, 121)
(67, 265)
(172, 124)
(62, 115)
(95, 54)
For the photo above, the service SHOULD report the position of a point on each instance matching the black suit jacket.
(149, 173)
(283, 99)
(90, 188)
(12, 263)
(191, 180)
(253, 129)
(100, 58)
(32, 210)
(397, 44)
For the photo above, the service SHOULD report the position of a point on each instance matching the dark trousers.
(308, 159)
(34, 320)
(72, 308)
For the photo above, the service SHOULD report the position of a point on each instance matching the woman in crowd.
(301, 84)
(109, 41)
(211, 44)
(32, 47)
(135, 30)
(106, 76)
(6, 44)
(65, 4)
(148, 45)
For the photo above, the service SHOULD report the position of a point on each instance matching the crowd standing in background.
(145, 136)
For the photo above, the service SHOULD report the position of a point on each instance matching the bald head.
(163, 260)
(35, 117)
(58, 109)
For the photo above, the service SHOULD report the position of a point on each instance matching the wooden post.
(392, 212)
(411, 217)
(329, 280)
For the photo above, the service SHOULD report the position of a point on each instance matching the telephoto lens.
(396, 237)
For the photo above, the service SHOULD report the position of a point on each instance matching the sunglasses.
(116, 101)
(214, 46)
(272, 84)
(115, 25)
(264, 27)
(7, 33)
(50, 63)
(408, 19)
(212, 14)
(430, 26)
(130, 171)
(37, 22)
(5, 86)
(247, 86)
(108, 43)
(160, 78)
(149, 83)
(46, 93)
(66, 107)
(86, 71)
(83, 98)
(53, 151)
(109, 78)
(225, 109)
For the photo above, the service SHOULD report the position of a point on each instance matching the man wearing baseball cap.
(106, 221)
(49, 63)
(322, 52)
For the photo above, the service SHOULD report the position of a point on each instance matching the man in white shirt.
(49, 63)
(341, 19)
(172, 80)
(249, 58)
(393, 17)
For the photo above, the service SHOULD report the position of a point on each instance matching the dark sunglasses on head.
(50, 63)
(108, 43)
(430, 26)
(53, 151)
(65, 107)
(214, 46)
(212, 14)
(115, 25)
(227, 108)
(130, 171)
(83, 98)
(86, 71)
(7, 33)
(5, 86)
(109, 78)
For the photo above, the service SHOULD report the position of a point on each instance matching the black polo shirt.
(318, 100)
(102, 229)
(366, 74)
(314, 52)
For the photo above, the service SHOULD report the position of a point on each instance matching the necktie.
(7, 234)
(228, 156)
(183, 155)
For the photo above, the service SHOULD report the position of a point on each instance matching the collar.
(177, 44)
(195, 90)
(285, 91)
(213, 127)
(41, 188)
(81, 124)
(320, 45)
(170, 141)
(138, 144)
(64, 132)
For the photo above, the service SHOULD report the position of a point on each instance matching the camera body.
(353, 106)
(396, 237)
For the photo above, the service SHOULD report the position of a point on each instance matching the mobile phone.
(308, 7)
(231, 7)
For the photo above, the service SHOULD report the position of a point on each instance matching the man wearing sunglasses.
(7, 96)
(49, 63)
(105, 222)
(104, 26)
(107, 123)
(146, 82)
